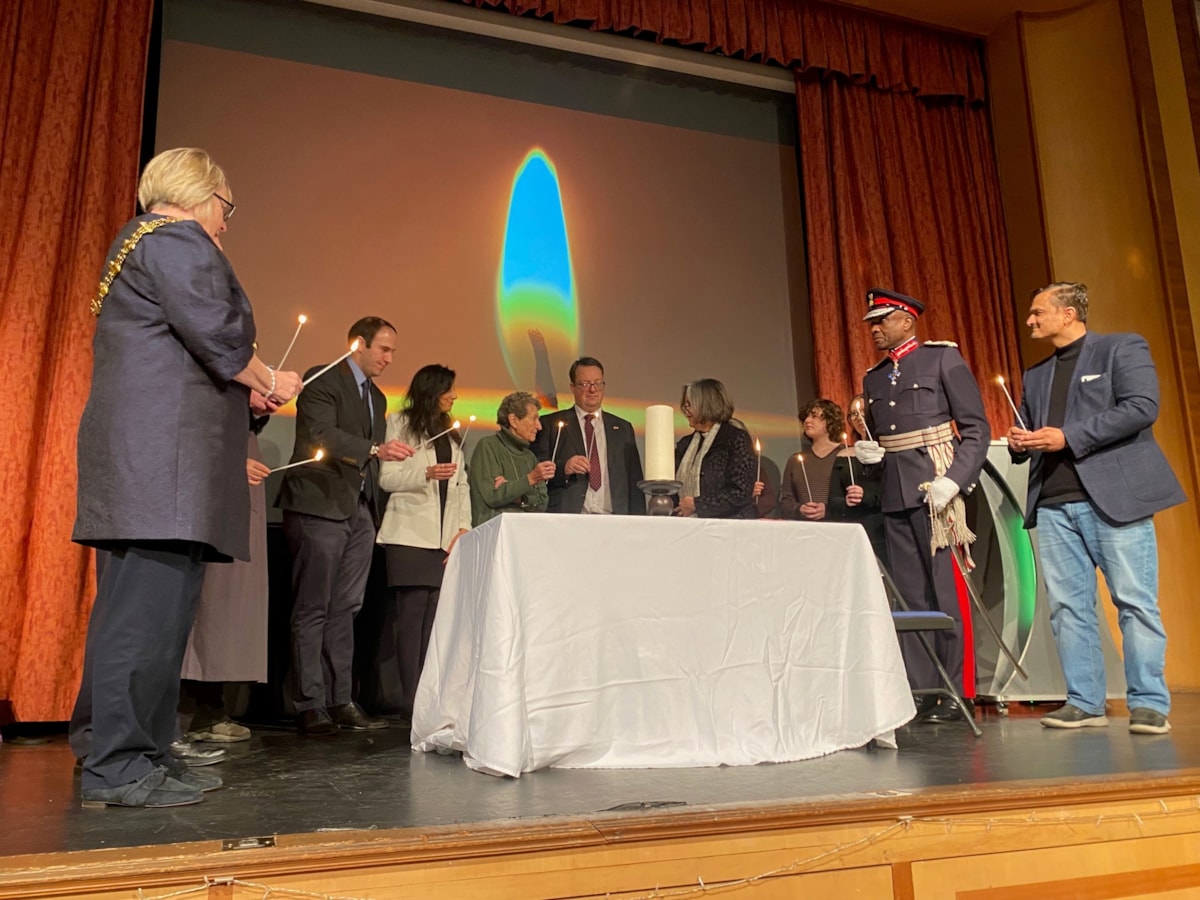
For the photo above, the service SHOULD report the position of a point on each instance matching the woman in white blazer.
(428, 510)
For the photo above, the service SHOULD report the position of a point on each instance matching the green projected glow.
(537, 311)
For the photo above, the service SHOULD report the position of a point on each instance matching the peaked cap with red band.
(882, 302)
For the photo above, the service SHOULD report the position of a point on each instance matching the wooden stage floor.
(322, 791)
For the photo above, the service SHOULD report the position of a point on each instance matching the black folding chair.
(920, 623)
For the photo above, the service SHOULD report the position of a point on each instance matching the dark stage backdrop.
(473, 191)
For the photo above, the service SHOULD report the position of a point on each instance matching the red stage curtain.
(71, 86)
(902, 192)
(799, 34)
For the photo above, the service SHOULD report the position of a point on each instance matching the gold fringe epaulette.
(114, 267)
(940, 344)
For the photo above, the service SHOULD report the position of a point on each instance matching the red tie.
(589, 437)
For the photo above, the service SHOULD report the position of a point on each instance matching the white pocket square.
(1084, 379)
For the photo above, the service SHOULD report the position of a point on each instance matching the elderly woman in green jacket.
(505, 476)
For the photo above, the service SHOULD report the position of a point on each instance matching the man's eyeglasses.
(230, 209)
(589, 385)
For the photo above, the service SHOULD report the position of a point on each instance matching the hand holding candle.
(1011, 405)
(317, 457)
(316, 375)
(301, 320)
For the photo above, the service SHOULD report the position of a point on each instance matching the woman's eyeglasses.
(230, 209)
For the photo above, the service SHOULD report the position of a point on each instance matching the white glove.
(868, 452)
(942, 490)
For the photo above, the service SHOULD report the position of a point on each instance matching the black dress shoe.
(352, 717)
(948, 710)
(316, 723)
(926, 703)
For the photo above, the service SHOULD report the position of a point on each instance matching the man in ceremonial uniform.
(917, 398)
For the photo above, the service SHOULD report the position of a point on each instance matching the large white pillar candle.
(660, 443)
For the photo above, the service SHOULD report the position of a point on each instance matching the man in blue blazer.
(1096, 480)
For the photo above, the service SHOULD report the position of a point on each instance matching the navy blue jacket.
(1112, 403)
(934, 386)
(162, 439)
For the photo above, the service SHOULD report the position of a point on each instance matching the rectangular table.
(640, 642)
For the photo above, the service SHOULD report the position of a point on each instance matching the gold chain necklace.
(114, 267)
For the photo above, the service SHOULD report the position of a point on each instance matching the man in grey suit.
(1097, 478)
(331, 511)
(602, 466)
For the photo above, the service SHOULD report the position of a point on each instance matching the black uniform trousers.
(926, 581)
(124, 718)
(331, 560)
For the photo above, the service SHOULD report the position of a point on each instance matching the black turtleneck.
(1060, 481)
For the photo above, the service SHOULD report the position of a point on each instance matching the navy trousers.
(124, 718)
(926, 581)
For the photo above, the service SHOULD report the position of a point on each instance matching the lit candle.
(317, 375)
(301, 320)
(304, 462)
(557, 438)
(858, 408)
(758, 450)
(467, 430)
(1012, 406)
(458, 475)
(804, 469)
(849, 459)
(438, 435)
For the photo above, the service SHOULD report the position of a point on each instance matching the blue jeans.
(1074, 540)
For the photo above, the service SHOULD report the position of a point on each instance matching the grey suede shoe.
(1071, 716)
(201, 781)
(1147, 721)
(154, 791)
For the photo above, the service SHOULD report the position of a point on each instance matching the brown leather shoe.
(351, 717)
(316, 723)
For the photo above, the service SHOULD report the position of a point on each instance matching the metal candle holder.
(659, 495)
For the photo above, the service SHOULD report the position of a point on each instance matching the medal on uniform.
(898, 353)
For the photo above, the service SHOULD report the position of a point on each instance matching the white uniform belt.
(911, 440)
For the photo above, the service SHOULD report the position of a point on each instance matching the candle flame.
(303, 318)
(1000, 380)
(319, 455)
(561, 424)
(354, 346)
(844, 437)
(757, 446)
(800, 456)
(456, 424)
(470, 418)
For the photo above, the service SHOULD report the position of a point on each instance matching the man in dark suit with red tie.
(331, 511)
(598, 462)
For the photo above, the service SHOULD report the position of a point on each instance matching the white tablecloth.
(638, 642)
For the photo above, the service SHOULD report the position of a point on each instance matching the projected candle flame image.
(537, 314)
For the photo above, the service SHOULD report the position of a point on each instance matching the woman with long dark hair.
(428, 510)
